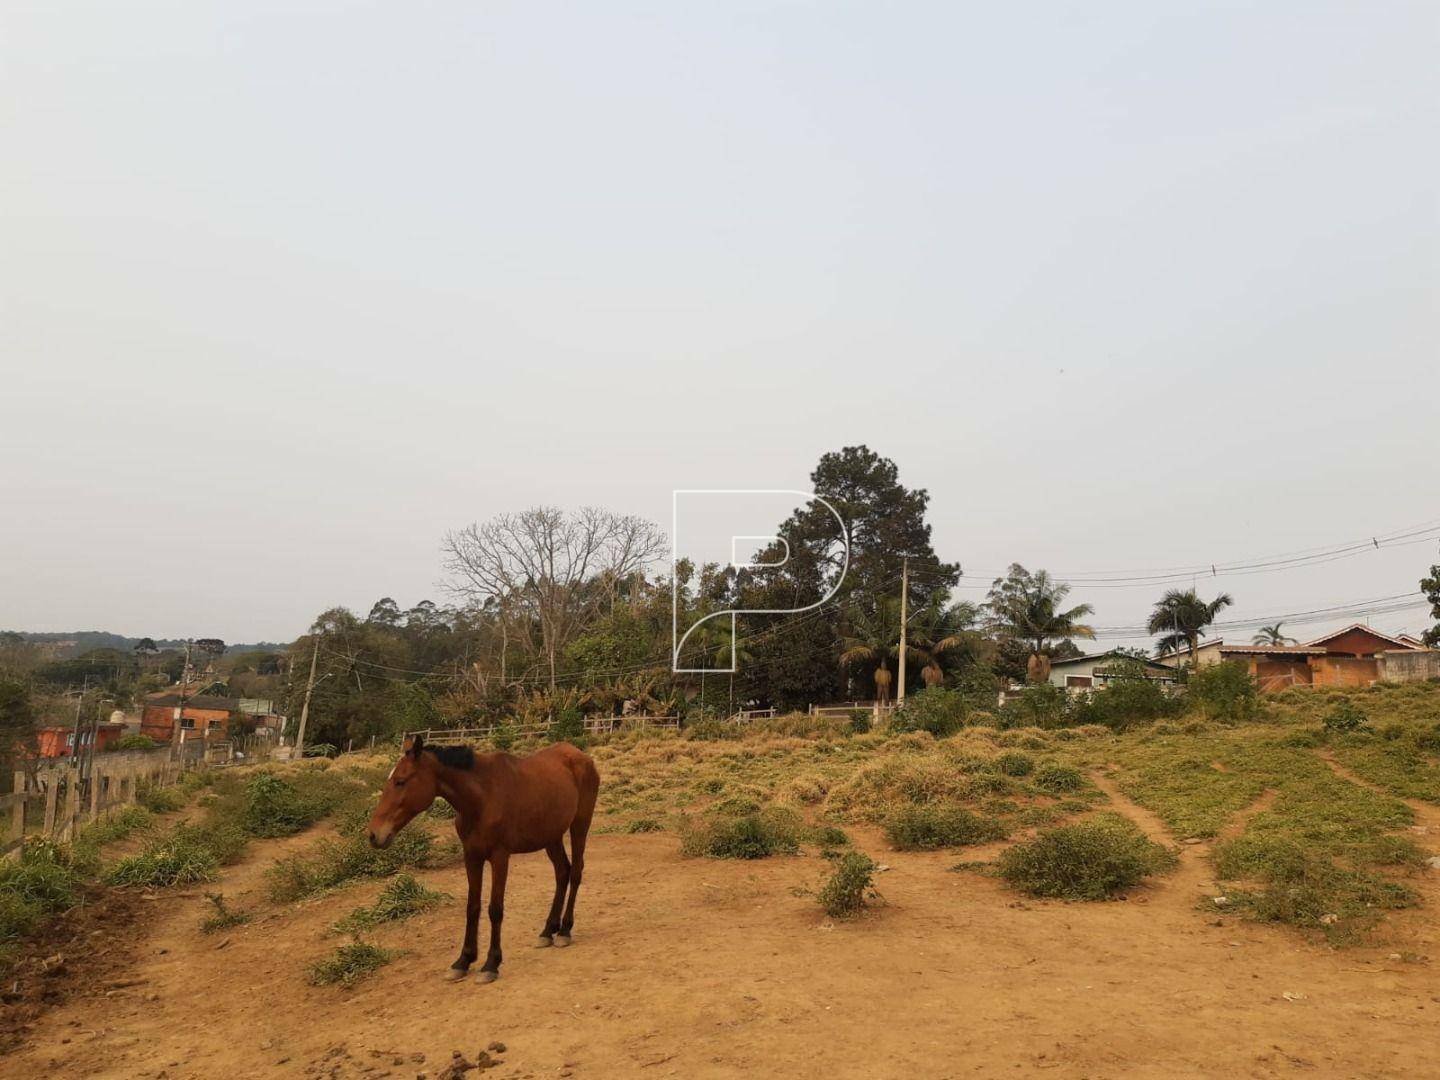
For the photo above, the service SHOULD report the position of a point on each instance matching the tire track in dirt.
(1427, 816)
(1194, 870)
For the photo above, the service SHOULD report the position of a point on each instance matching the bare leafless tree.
(548, 570)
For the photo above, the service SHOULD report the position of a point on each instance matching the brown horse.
(504, 806)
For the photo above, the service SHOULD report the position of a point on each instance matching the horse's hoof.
(562, 941)
(543, 942)
(487, 976)
(454, 974)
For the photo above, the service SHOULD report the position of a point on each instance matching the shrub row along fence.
(54, 800)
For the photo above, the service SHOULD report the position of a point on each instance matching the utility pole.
(904, 618)
(305, 708)
(180, 709)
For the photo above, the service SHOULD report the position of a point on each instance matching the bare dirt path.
(694, 968)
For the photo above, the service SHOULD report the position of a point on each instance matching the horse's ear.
(417, 743)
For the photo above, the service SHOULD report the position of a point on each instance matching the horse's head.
(410, 790)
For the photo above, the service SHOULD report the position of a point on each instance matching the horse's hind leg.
(561, 861)
(578, 833)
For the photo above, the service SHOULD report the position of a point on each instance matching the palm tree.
(1181, 617)
(873, 638)
(1026, 607)
(937, 634)
(1271, 635)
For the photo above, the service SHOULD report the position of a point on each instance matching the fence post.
(96, 772)
(52, 793)
(17, 813)
(72, 804)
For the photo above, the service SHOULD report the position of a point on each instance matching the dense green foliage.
(941, 825)
(1089, 860)
(850, 888)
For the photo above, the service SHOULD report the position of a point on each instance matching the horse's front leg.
(499, 868)
(475, 872)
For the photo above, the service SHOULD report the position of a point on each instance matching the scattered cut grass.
(348, 964)
(183, 856)
(223, 918)
(402, 897)
(1089, 860)
(333, 862)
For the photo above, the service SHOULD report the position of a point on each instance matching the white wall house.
(1088, 672)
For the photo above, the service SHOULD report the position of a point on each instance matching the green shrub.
(850, 887)
(504, 736)
(135, 741)
(569, 727)
(644, 825)
(1089, 860)
(187, 854)
(1127, 702)
(333, 862)
(159, 800)
(829, 836)
(45, 880)
(402, 897)
(749, 836)
(116, 827)
(273, 807)
(1344, 715)
(1225, 691)
(1014, 763)
(350, 963)
(925, 828)
(939, 711)
(1057, 779)
(1042, 706)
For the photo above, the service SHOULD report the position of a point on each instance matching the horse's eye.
(399, 783)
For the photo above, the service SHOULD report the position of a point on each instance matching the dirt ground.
(695, 968)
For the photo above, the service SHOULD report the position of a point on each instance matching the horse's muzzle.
(380, 843)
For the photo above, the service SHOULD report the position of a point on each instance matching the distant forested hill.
(85, 640)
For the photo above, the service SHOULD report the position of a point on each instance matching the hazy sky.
(288, 289)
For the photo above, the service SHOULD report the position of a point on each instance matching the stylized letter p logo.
(723, 526)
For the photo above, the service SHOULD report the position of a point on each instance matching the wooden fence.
(594, 725)
(54, 800)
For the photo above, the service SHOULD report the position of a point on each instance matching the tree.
(873, 637)
(1181, 618)
(1271, 635)
(553, 571)
(939, 635)
(17, 718)
(884, 523)
(1027, 607)
(210, 646)
(1431, 587)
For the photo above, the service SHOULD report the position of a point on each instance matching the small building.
(1355, 655)
(1206, 655)
(58, 740)
(1080, 673)
(203, 715)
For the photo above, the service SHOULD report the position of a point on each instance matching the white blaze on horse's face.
(408, 790)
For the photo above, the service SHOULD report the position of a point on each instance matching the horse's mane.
(454, 757)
